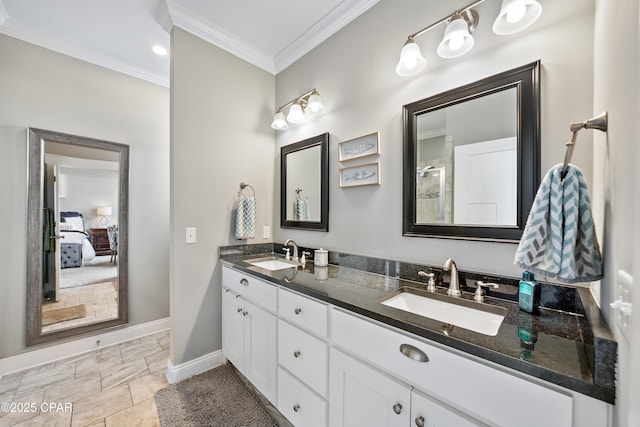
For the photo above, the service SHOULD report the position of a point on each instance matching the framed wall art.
(355, 176)
(367, 145)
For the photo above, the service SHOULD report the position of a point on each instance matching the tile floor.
(100, 300)
(111, 387)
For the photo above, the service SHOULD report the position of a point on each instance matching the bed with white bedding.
(73, 231)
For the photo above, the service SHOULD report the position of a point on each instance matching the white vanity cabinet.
(322, 365)
(362, 396)
(303, 354)
(249, 330)
(481, 392)
(427, 412)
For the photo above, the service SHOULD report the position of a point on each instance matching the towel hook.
(243, 186)
(599, 122)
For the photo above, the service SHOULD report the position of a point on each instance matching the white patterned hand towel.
(246, 218)
(559, 240)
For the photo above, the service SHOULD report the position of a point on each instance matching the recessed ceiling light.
(159, 50)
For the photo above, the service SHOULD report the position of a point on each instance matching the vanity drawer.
(304, 312)
(300, 405)
(303, 355)
(255, 290)
(477, 389)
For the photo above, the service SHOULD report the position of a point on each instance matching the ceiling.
(120, 34)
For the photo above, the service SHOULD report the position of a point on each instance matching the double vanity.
(366, 341)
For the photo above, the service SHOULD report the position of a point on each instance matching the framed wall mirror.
(77, 235)
(304, 184)
(472, 158)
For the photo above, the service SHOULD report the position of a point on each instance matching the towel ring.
(599, 122)
(243, 186)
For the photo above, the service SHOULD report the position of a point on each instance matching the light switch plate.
(190, 235)
(624, 295)
(266, 232)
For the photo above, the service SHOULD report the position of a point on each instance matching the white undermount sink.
(273, 264)
(482, 318)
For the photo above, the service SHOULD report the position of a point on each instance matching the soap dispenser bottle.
(529, 293)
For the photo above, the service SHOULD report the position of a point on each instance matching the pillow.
(73, 223)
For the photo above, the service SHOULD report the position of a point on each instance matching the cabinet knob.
(244, 282)
(296, 407)
(419, 421)
(297, 311)
(244, 313)
(296, 354)
(239, 309)
(397, 408)
(414, 353)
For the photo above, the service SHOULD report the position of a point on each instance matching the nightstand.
(100, 241)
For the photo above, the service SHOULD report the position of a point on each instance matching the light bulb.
(456, 42)
(296, 115)
(516, 13)
(315, 104)
(411, 60)
(279, 122)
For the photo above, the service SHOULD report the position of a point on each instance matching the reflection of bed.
(74, 237)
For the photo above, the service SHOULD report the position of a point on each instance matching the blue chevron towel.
(559, 240)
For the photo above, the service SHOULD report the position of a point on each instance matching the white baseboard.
(78, 347)
(193, 367)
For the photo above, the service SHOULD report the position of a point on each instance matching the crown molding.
(215, 35)
(333, 22)
(71, 48)
(162, 16)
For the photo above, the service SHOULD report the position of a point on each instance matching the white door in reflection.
(485, 177)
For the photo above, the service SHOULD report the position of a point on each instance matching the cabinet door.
(260, 363)
(362, 396)
(426, 412)
(233, 328)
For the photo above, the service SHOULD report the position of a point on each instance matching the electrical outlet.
(190, 235)
(266, 232)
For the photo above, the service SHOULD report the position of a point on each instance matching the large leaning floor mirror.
(77, 235)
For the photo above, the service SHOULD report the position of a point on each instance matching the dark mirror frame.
(527, 81)
(35, 204)
(322, 225)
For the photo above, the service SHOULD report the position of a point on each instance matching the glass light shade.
(105, 211)
(516, 15)
(411, 60)
(279, 121)
(457, 40)
(296, 115)
(315, 104)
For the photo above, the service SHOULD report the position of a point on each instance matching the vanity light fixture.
(514, 16)
(310, 101)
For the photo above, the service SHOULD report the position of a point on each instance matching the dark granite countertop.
(573, 349)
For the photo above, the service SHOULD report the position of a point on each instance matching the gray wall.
(43, 89)
(88, 189)
(616, 189)
(354, 73)
(221, 111)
